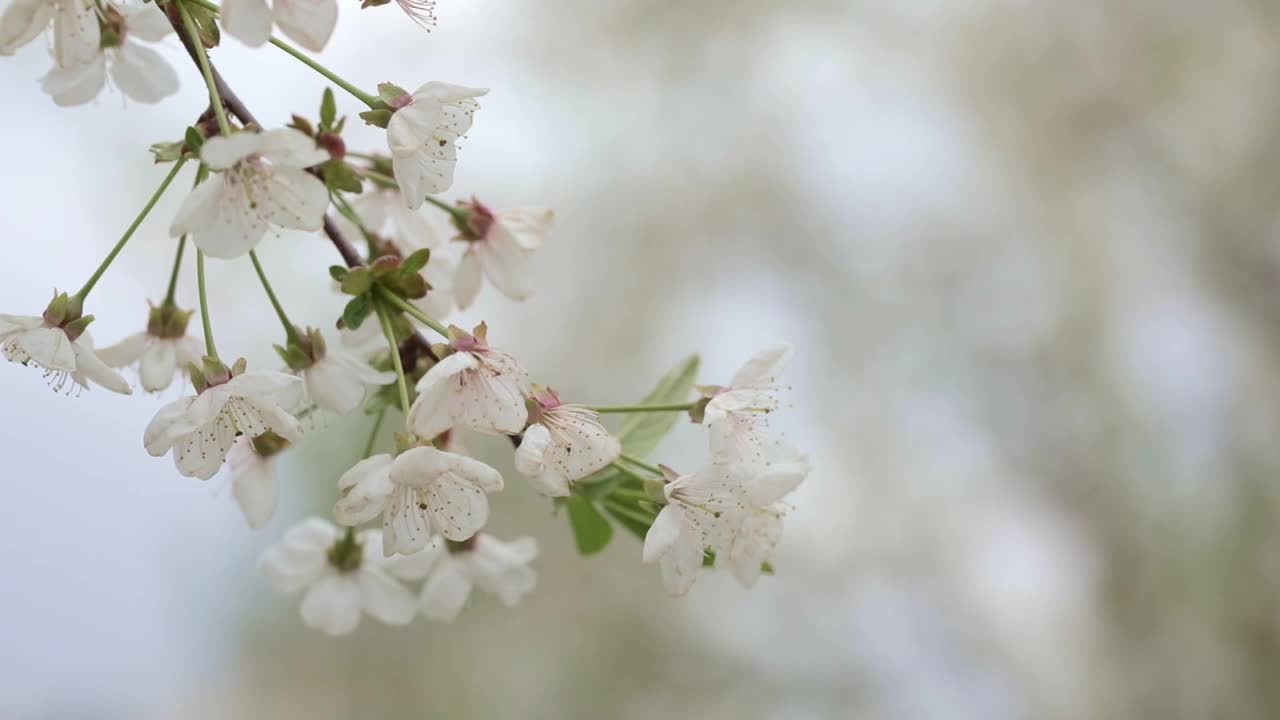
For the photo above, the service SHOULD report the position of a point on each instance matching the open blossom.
(307, 22)
(332, 380)
(477, 387)
(343, 579)
(563, 444)
(752, 533)
(419, 493)
(382, 211)
(141, 73)
(738, 414)
(261, 184)
(161, 353)
(453, 569)
(253, 476)
(77, 35)
(693, 521)
(500, 246)
(201, 429)
(63, 355)
(422, 136)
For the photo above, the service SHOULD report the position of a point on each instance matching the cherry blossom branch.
(202, 59)
(412, 311)
(146, 209)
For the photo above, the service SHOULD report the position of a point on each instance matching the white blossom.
(200, 429)
(752, 531)
(339, 383)
(310, 23)
(477, 387)
(453, 569)
(253, 476)
(421, 492)
(422, 136)
(159, 357)
(28, 340)
(77, 35)
(565, 443)
(141, 73)
(261, 184)
(737, 415)
(500, 246)
(693, 521)
(341, 581)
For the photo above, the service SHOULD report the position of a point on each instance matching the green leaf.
(643, 432)
(591, 531)
(337, 272)
(356, 311)
(415, 262)
(627, 519)
(339, 176)
(302, 125)
(328, 110)
(193, 139)
(206, 26)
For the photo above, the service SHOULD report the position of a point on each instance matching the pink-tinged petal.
(309, 22)
(445, 592)
(333, 605)
(248, 21)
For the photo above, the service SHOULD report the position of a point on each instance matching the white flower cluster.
(430, 497)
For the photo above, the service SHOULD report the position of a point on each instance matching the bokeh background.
(1027, 252)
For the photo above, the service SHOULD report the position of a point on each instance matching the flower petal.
(199, 208)
(663, 533)
(364, 490)
(21, 22)
(309, 22)
(249, 21)
(222, 152)
(159, 436)
(384, 598)
(146, 22)
(127, 351)
(429, 415)
(291, 148)
(49, 348)
(466, 281)
(253, 483)
(76, 33)
(527, 227)
(333, 605)
(445, 592)
(76, 84)
(158, 365)
(294, 198)
(764, 367)
(89, 366)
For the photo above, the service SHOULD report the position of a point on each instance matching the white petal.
(89, 366)
(411, 176)
(276, 420)
(506, 264)
(581, 444)
(300, 558)
(466, 281)
(253, 483)
(364, 490)
(490, 403)
(529, 456)
(267, 384)
(200, 208)
(294, 198)
(663, 533)
(126, 352)
(445, 592)
(680, 568)
(412, 230)
(22, 21)
(238, 226)
(385, 599)
(76, 33)
(412, 567)
(76, 84)
(190, 350)
(753, 544)
(142, 74)
(10, 324)
(429, 414)
(200, 454)
(764, 367)
(410, 128)
(420, 466)
(158, 365)
(783, 470)
(444, 92)
(249, 21)
(332, 387)
(405, 527)
(291, 148)
(221, 152)
(333, 605)
(166, 426)
(527, 227)
(146, 22)
(309, 22)
(48, 347)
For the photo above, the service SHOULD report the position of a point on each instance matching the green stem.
(373, 433)
(289, 330)
(155, 197)
(401, 383)
(204, 307)
(638, 495)
(364, 97)
(630, 473)
(642, 464)
(348, 212)
(671, 407)
(380, 179)
(201, 174)
(409, 308)
(634, 514)
(202, 58)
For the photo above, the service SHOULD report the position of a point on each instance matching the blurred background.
(1027, 254)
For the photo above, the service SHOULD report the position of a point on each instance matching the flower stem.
(204, 307)
(202, 57)
(364, 97)
(671, 407)
(399, 302)
(629, 472)
(379, 179)
(401, 383)
(625, 510)
(201, 174)
(290, 330)
(373, 432)
(155, 197)
(642, 464)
